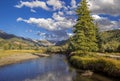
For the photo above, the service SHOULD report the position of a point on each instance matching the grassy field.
(6, 53)
(15, 56)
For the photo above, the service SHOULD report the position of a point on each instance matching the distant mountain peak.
(1, 31)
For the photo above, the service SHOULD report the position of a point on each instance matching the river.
(53, 68)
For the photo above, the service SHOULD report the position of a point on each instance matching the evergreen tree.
(84, 39)
(99, 39)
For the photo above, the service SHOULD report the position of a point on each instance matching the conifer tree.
(84, 39)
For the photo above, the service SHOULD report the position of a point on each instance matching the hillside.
(43, 43)
(110, 41)
(10, 41)
(111, 35)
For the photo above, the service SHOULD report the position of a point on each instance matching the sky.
(54, 19)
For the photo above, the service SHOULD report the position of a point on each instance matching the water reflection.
(52, 77)
(54, 68)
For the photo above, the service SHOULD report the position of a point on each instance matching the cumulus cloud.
(106, 7)
(56, 4)
(63, 17)
(40, 22)
(60, 13)
(32, 10)
(73, 4)
(56, 26)
(105, 23)
(97, 17)
(56, 23)
(70, 10)
(32, 4)
(110, 7)
(19, 19)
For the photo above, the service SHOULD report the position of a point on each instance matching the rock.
(87, 73)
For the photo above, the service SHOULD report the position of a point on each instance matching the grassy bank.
(107, 66)
(15, 56)
(6, 53)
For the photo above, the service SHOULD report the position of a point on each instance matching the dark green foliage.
(84, 39)
(118, 49)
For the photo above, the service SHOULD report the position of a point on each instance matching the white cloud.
(32, 4)
(106, 7)
(32, 10)
(71, 12)
(70, 34)
(57, 17)
(56, 23)
(105, 23)
(73, 4)
(97, 17)
(56, 4)
(62, 20)
(19, 19)
(110, 7)
(60, 13)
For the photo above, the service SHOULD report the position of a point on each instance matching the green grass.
(104, 65)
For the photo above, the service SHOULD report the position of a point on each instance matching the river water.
(53, 68)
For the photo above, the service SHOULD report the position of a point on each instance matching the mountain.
(15, 42)
(10, 41)
(43, 43)
(4, 35)
(62, 42)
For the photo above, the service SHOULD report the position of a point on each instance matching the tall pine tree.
(84, 39)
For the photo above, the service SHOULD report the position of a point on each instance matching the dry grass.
(6, 53)
(16, 56)
(105, 65)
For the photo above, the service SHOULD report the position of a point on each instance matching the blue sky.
(53, 19)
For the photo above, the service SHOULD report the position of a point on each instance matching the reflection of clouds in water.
(52, 77)
(53, 69)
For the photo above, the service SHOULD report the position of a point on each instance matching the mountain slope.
(11, 41)
(110, 41)
(111, 35)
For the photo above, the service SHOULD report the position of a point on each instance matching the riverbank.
(103, 65)
(16, 56)
(54, 68)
